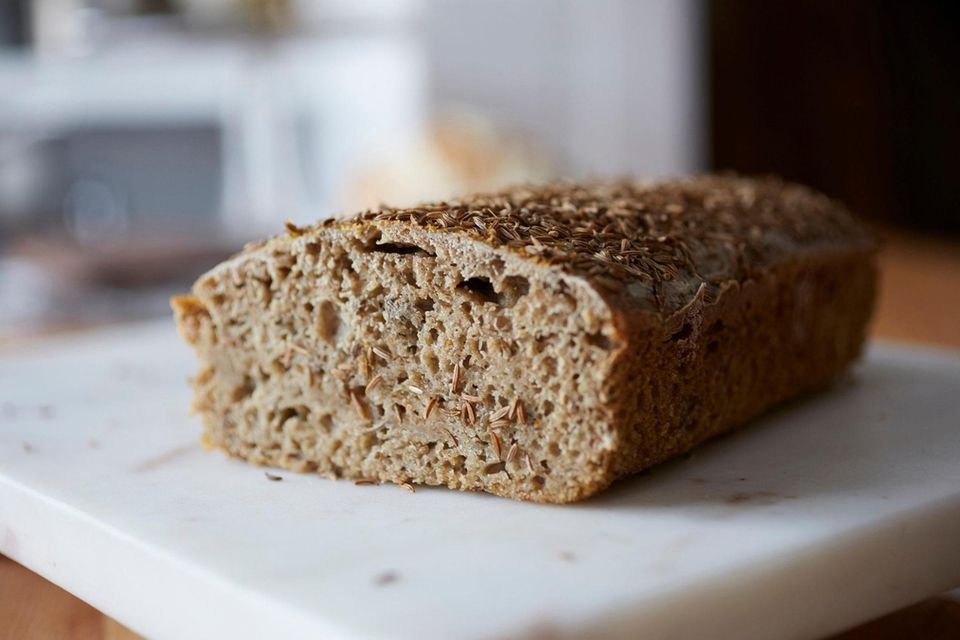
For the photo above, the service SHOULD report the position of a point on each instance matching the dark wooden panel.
(858, 98)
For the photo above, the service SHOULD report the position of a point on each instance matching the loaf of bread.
(537, 343)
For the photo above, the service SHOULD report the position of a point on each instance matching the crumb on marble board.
(387, 577)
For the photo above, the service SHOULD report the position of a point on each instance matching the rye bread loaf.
(537, 343)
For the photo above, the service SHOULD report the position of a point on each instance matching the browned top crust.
(660, 242)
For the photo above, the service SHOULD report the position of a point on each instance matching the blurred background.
(141, 141)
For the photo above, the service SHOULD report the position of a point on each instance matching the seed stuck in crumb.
(471, 398)
(455, 383)
(499, 413)
(415, 389)
(383, 353)
(358, 405)
(429, 408)
(365, 481)
(470, 413)
(529, 461)
(452, 437)
(292, 228)
(374, 383)
(409, 487)
(272, 477)
(499, 424)
(517, 413)
(497, 447)
(513, 452)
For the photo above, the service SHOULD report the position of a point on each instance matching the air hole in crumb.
(538, 345)
(312, 249)
(282, 273)
(683, 333)
(285, 415)
(514, 288)
(480, 289)
(550, 365)
(434, 334)
(712, 346)
(308, 307)
(538, 482)
(503, 323)
(326, 422)
(554, 449)
(424, 304)
(329, 321)
(431, 362)
(547, 407)
(244, 390)
(399, 248)
(600, 341)
(218, 299)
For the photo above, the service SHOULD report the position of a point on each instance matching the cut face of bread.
(405, 355)
(536, 344)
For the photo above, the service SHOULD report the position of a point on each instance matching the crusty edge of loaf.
(638, 328)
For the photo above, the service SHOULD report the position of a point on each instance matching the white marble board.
(830, 512)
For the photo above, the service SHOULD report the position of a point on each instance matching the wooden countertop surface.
(919, 302)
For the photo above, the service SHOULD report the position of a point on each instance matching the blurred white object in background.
(204, 130)
(607, 86)
(459, 153)
(305, 118)
(59, 27)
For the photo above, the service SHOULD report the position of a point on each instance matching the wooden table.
(919, 302)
